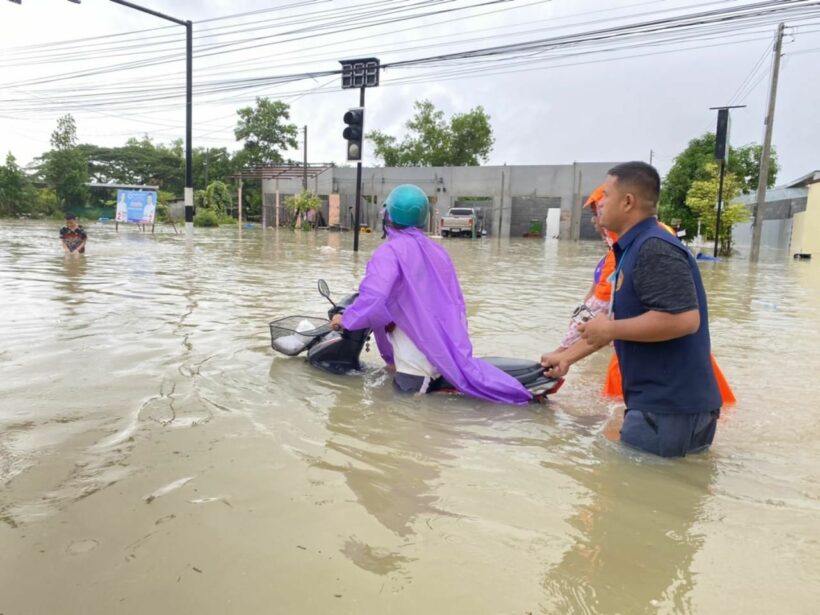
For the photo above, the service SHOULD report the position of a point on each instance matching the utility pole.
(763, 175)
(651, 156)
(304, 167)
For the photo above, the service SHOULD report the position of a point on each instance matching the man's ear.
(630, 202)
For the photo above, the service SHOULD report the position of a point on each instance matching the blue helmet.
(407, 205)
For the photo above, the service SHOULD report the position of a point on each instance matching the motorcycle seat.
(523, 370)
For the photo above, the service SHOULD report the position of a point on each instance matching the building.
(791, 218)
(512, 198)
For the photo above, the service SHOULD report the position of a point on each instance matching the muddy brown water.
(156, 456)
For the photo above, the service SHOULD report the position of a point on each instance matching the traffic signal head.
(354, 132)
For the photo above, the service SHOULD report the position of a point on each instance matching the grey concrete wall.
(775, 235)
(527, 210)
(569, 184)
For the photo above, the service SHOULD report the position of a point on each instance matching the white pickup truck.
(462, 221)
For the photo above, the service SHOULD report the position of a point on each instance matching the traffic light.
(722, 135)
(354, 132)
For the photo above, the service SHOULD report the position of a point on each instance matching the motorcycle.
(338, 352)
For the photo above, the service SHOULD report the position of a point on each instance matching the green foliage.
(206, 218)
(212, 164)
(302, 203)
(65, 136)
(690, 166)
(67, 172)
(465, 141)
(702, 201)
(164, 200)
(65, 167)
(16, 192)
(138, 162)
(265, 132)
(218, 197)
(200, 200)
(46, 203)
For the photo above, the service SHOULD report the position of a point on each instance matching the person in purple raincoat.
(411, 298)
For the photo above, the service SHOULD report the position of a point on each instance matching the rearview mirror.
(324, 289)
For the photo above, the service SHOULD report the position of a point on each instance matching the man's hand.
(336, 322)
(556, 364)
(598, 331)
(548, 359)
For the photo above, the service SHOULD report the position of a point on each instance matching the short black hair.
(70, 217)
(642, 176)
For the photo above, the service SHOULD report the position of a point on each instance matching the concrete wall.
(774, 235)
(564, 186)
(806, 236)
(781, 213)
(527, 210)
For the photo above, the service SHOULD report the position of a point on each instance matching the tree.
(302, 203)
(16, 192)
(139, 162)
(690, 166)
(65, 136)
(218, 197)
(265, 132)
(702, 201)
(65, 167)
(212, 164)
(465, 141)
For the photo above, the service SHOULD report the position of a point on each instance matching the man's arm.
(557, 363)
(650, 326)
(370, 308)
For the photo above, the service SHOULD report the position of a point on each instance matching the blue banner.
(138, 206)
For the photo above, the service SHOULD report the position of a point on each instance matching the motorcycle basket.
(293, 334)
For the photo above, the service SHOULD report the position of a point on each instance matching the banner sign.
(138, 206)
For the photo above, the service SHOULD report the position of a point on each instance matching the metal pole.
(239, 204)
(304, 167)
(358, 187)
(763, 175)
(277, 203)
(189, 175)
(189, 106)
(719, 203)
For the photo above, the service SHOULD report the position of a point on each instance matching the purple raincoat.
(411, 281)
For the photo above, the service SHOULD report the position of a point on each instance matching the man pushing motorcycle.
(411, 298)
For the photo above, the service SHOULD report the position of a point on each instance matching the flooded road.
(156, 455)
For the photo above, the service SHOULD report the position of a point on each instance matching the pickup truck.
(462, 221)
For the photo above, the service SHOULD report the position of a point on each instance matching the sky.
(611, 101)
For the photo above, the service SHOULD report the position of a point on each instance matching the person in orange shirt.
(598, 300)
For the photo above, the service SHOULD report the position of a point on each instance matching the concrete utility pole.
(763, 176)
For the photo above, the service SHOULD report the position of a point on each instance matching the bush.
(206, 218)
(47, 203)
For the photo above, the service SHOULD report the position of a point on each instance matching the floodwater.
(156, 456)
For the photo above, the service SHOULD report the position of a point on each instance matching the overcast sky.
(610, 106)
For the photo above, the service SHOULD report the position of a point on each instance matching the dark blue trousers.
(669, 435)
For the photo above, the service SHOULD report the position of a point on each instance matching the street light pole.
(189, 167)
(721, 155)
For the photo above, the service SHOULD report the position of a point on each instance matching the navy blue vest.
(675, 376)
